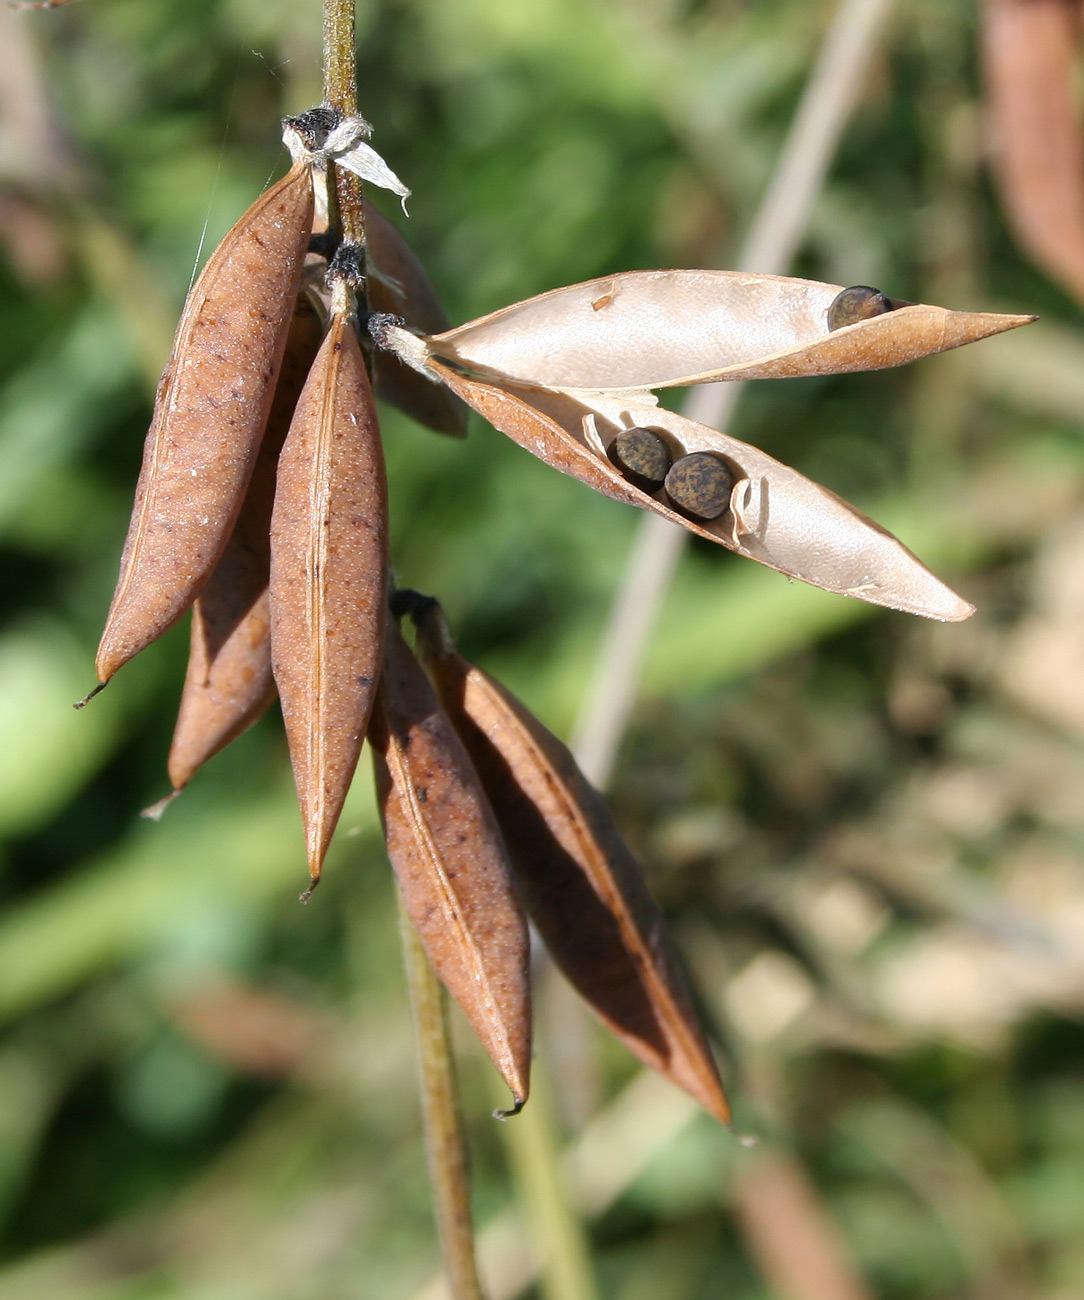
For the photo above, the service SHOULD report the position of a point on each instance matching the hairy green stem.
(443, 1133)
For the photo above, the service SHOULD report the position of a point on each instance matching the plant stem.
(533, 1145)
(341, 93)
(443, 1134)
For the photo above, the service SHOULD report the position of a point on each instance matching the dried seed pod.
(700, 485)
(1031, 53)
(642, 456)
(229, 684)
(777, 516)
(859, 302)
(209, 416)
(660, 329)
(402, 288)
(581, 885)
(329, 579)
(451, 864)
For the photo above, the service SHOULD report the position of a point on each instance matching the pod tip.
(81, 704)
(519, 1103)
(304, 898)
(155, 811)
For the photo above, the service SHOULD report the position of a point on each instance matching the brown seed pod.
(402, 288)
(700, 485)
(580, 883)
(642, 456)
(229, 684)
(661, 329)
(450, 861)
(329, 540)
(209, 416)
(1031, 52)
(859, 302)
(777, 516)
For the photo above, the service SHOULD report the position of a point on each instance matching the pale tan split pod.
(229, 684)
(446, 848)
(578, 879)
(329, 547)
(209, 416)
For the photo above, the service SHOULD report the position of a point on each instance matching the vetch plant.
(262, 507)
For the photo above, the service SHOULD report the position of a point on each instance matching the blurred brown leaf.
(1031, 50)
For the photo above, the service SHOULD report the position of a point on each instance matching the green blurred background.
(866, 829)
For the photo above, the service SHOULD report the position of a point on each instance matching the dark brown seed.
(700, 485)
(859, 302)
(642, 456)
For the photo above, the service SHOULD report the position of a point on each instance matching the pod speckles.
(642, 456)
(700, 485)
(229, 684)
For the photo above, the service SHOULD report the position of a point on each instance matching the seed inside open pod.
(642, 456)
(700, 485)
(859, 302)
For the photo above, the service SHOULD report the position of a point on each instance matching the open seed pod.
(399, 285)
(209, 416)
(328, 584)
(663, 329)
(579, 881)
(774, 515)
(451, 863)
(229, 683)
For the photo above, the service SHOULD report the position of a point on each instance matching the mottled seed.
(642, 456)
(700, 485)
(859, 302)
